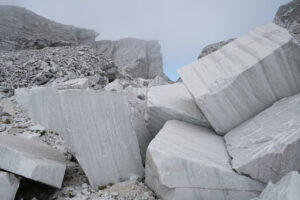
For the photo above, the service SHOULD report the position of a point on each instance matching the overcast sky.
(183, 27)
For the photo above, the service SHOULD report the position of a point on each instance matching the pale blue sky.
(183, 27)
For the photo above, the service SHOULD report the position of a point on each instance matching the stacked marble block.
(239, 126)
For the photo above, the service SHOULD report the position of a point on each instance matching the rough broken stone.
(31, 159)
(213, 47)
(95, 124)
(78, 83)
(288, 188)
(267, 146)
(7, 107)
(245, 76)
(9, 185)
(169, 102)
(186, 161)
(158, 80)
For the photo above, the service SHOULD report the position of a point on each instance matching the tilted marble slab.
(186, 161)
(32, 160)
(244, 77)
(171, 102)
(95, 124)
(288, 188)
(267, 146)
(9, 185)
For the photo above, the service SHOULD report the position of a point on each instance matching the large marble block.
(267, 146)
(171, 102)
(32, 159)
(245, 76)
(288, 188)
(9, 185)
(95, 124)
(185, 161)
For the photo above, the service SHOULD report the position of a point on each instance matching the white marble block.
(267, 146)
(9, 185)
(32, 160)
(95, 124)
(185, 161)
(245, 76)
(171, 102)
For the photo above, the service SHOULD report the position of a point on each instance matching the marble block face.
(245, 76)
(267, 146)
(95, 124)
(32, 159)
(186, 161)
(9, 185)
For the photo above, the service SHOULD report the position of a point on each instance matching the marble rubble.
(244, 77)
(95, 124)
(7, 107)
(9, 185)
(186, 161)
(267, 146)
(168, 102)
(288, 188)
(78, 83)
(32, 159)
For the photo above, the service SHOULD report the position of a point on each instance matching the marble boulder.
(245, 76)
(9, 185)
(267, 146)
(186, 161)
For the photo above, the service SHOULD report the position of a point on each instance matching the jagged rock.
(185, 161)
(169, 102)
(138, 58)
(95, 124)
(78, 83)
(9, 185)
(288, 188)
(32, 159)
(23, 29)
(267, 146)
(288, 16)
(158, 80)
(245, 76)
(7, 107)
(213, 47)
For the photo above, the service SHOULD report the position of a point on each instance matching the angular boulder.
(169, 102)
(32, 159)
(267, 146)
(9, 185)
(244, 77)
(95, 124)
(185, 161)
(7, 108)
(78, 83)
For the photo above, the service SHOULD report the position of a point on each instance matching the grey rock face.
(138, 58)
(267, 146)
(288, 16)
(185, 161)
(31, 159)
(170, 102)
(213, 47)
(288, 188)
(9, 185)
(244, 77)
(95, 124)
(23, 29)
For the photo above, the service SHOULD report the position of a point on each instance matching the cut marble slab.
(245, 76)
(267, 146)
(9, 185)
(185, 161)
(288, 188)
(95, 124)
(171, 102)
(32, 160)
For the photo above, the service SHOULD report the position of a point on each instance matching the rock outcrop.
(23, 29)
(185, 161)
(244, 77)
(213, 47)
(9, 185)
(95, 124)
(31, 159)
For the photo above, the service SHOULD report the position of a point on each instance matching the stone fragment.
(7, 107)
(9, 185)
(95, 124)
(213, 47)
(267, 146)
(185, 161)
(79, 83)
(32, 159)
(244, 77)
(158, 80)
(169, 102)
